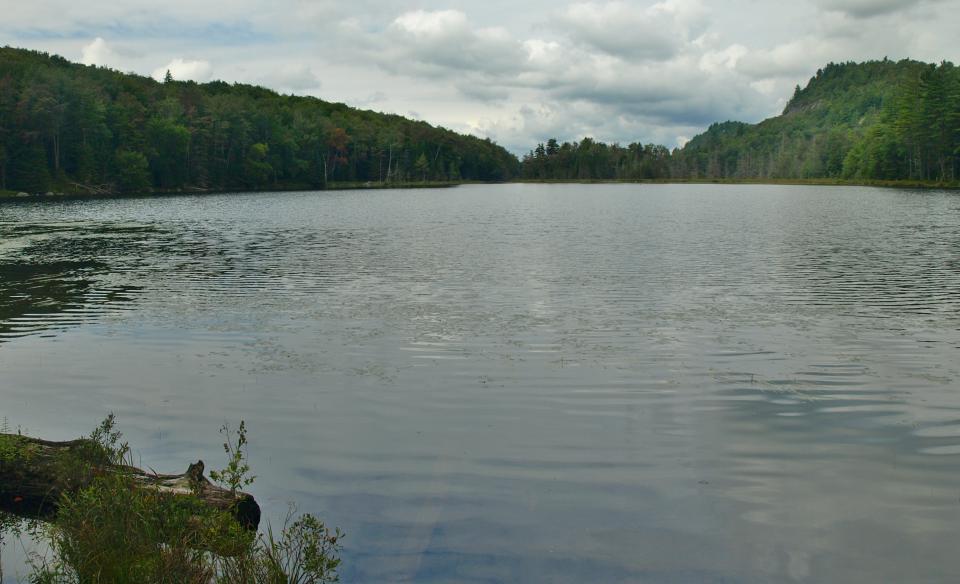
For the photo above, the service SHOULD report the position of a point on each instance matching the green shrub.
(112, 532)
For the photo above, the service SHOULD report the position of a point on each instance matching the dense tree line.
(589, 160)
(70, 127)
(880, 120)
(918, 135)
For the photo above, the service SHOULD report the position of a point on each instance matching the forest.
(66, 127)
(873, 121)
(592, 160)
(73, 128)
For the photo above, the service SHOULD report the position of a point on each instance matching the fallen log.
(35, 474)
(95, 189)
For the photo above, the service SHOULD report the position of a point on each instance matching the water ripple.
(537, 383)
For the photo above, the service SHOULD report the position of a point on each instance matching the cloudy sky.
(518, 71)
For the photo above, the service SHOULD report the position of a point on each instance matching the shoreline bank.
(902, 184)
(348, 186)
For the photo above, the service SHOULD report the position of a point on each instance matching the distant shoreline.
(345, 186)
(902, 184)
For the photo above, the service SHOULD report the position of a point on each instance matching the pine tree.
(936, 116)
(909, 125)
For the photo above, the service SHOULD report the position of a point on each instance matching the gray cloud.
(442, 42)
(866, 8)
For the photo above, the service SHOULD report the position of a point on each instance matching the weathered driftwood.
(35, 473)
(95, 189)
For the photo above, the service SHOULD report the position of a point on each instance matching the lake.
(524, 383)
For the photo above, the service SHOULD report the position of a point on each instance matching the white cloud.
(789, 59)
(625, 29)
(712, 61)
(441, 42)
(765, 86)
(439, 24)
(98, 53)
(182, 70)
(290, 76)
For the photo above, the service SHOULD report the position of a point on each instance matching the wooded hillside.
(880, 120)
(75, 128)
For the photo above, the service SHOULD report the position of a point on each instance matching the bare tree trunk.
(389, 162)
(56, 152)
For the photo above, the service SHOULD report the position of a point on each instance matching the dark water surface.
(525, 383)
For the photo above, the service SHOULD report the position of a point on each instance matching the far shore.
(333, 186)
(339, 186)
(830, 182)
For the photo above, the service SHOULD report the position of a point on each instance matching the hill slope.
(880, 120)
(71, 127)
(875, 120)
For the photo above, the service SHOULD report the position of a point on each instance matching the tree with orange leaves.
(336, 154)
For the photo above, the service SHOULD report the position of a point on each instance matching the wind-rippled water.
(519, 383)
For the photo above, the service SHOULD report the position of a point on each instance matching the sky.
(518, 72)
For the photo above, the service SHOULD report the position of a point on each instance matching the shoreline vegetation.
(91, 131)
(67, 127)
(333, 186)
(829, 182)
(104, 521)
(878, 122)
(895, 184)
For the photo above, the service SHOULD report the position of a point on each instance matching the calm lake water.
(525, 383)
